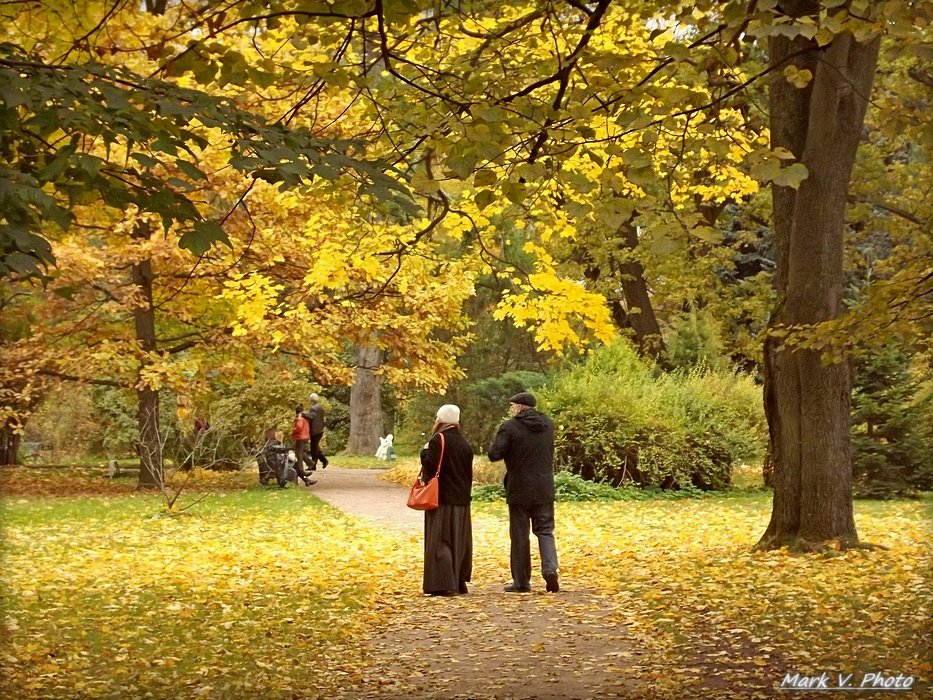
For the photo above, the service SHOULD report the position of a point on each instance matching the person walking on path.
(448, 530)
(526, 443)
(301, 431)
(315, 418)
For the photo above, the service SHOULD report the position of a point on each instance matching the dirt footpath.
(362, 493)
(488, 644)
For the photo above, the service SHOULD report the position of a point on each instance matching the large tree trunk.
(365, 403)
(807, 401)
(149, 445)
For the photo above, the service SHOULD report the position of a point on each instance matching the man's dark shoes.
(310, 482)
(512, 588)
(550, 577)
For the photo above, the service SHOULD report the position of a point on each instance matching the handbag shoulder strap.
(440, 459)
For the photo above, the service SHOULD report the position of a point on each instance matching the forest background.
(213, 210)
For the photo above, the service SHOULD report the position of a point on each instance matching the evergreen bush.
(620, 421)
(483, 406)
(484, 403)
(892, 427)
(695, 341)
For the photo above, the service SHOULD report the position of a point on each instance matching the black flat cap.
(524, 398)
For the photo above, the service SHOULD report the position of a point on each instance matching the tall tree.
(149, 446)
(807, 400)
(822, 62)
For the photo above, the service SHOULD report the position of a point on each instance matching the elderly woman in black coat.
(448, 530)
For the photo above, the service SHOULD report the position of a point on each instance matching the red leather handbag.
(427, 496)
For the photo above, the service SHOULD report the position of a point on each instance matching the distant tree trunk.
(366, 424)
(20, 399)
(156, 7)
(640, 312)
(9, 444)
(149, 445)
(807, 402)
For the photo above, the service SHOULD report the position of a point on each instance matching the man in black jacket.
(315, 417)
(526, 443)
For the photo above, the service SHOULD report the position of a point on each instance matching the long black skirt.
(448, 548)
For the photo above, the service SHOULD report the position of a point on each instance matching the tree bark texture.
(19, 401)
(149, 445)
(807, 402)
(366, 423)
(640, 312)
(9, 444)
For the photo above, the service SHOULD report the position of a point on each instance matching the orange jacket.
(300, 429)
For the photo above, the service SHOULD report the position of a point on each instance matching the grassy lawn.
(252, 588)
(689, 579)
(104, 596)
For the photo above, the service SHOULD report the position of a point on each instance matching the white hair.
(448, 413)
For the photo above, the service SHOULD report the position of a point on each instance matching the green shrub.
(485, 403)
(245, 411)
(694, 341)
(574, 488)
(489, 492)
(620, 421)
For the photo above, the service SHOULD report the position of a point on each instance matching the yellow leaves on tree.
(333, 278)
(253, 298)
(552, 306)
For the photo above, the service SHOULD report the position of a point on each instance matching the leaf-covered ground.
(267, 593)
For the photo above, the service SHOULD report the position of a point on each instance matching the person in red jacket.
(301, 433)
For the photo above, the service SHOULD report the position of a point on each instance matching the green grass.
(57, 512)
(108, 596)
(97, 463)
(104, 595)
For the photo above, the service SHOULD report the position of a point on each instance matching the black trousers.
(541, 519)
(300, 456)
(315, 454)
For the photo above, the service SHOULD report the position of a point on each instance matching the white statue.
(385, 451)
